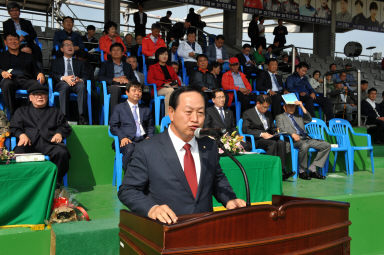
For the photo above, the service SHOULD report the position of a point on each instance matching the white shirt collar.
(131, 104)
(218, 108)
(372, 103)
(178, 144)
(66, 59)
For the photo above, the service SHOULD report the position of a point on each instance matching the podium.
(290, 225)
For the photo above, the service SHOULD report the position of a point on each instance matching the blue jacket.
(62, 35)
(297, 84)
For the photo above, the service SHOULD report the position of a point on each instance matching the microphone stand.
(221, 146)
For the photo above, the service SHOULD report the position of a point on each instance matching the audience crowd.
(170, 56)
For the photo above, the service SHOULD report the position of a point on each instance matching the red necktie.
(189, 169)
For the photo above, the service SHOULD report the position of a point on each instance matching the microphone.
(215, 132)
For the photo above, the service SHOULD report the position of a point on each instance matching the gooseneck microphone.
(214, 132)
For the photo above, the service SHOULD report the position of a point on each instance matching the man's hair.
(201, 56)
(108, 25)
(247, 45)
(373, 6)
(371, 89)
(302, 64)
(175, 43)
(160, 51)
(331, 65)
(169, 13)
(174, 99)
(359, 2)
(261, 99)
(315, 72)
(91, 27)
(132, 57)
(62, 43)
(13, 5)
(68, 17)
(214, 65)
(364, 82)
(218, 37)
(215, 91)
(134, 84)
(156, 26)
(272, 60)
(116, 44)
(191, 31)
(261, 18)
(174, 63)
(14, 34)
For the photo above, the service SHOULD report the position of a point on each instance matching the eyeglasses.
(67, 45)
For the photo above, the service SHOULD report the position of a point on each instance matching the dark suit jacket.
(252, 123)
(58, 69)
(177, 31)
(140, 27)
(200, 79)
(211, 53)
(155, 177)
(213, 119)
(106, 72)
(26, 26)
(23, 65)
(264, 82)
(123, 124)
(367, 109)
(243, 60)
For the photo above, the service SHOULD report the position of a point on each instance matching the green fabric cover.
(264, 176)
(26, 192)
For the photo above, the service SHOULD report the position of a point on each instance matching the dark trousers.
(58, 154)
(324, 103)
(127, 151)
(272, 147)
(377, 132)
(276, 107)
(245, 100)
(64, 89)
(140, 30)
(190, 67)
(9, 87)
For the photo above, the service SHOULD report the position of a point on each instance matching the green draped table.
(26, 192)
(264, 176)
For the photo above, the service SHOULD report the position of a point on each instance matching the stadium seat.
(118, 162)
(240, 129)
(165, 121)
(342, 128)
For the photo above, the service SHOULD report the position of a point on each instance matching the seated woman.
(163, 76)
(110, 38)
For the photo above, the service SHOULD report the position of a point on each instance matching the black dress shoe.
(287, 175)
(316, 175)
(304, 176)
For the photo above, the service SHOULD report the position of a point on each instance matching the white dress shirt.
(178, 144)
(262, 118)
(142, 132)
(184, 50)
(219, 53)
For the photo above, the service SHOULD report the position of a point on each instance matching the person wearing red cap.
(234, 79)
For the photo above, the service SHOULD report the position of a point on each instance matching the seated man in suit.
(217, 52)
(298, 83)
(69, 75)
(151, 43)
(175, 173)
(344, 100)
(24, 29)
(19, 71)
(375, 115)
(117, 73)
(131, 122)
(68, 33)
(40, 128)
(234, 79)
(189, 50)
(272, 83)
(258, 122)
(293, 124)
(247, 61)
(202, 78)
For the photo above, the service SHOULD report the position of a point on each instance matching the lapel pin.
(204, 147)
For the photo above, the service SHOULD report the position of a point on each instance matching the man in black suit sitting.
(272, 83)
(375, 116)
(247, 61)
(258, 122)
(69, 75)
(131, 122)
(117, 73)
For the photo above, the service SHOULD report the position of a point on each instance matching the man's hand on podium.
(235, 203)
(163, 213)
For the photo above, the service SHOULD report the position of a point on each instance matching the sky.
(367, 39)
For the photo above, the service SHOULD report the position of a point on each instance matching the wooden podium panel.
(289, 226)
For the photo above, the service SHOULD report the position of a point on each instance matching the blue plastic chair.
(184, 72)
(72, 96)
(117, 163)
(240, 129)
(342, 128)
(165, 121)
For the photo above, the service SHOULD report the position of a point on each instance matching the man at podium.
(175, 173)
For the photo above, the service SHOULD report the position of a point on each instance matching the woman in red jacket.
(110, 38)
(163, 76)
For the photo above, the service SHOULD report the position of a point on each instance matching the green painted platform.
(364, 190)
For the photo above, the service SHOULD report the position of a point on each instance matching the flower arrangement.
(5, 155)
(232, 143)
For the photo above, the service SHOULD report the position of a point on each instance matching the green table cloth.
(264, 176)
(26, 192)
